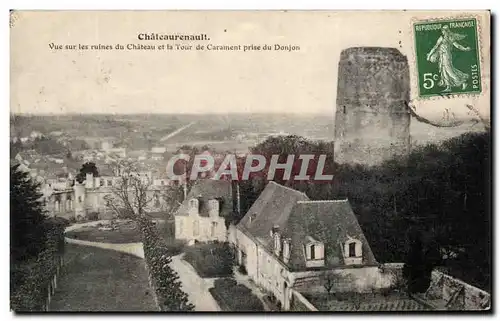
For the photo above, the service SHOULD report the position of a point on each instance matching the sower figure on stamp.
(441, 53)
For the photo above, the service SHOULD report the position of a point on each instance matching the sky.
(46, 81)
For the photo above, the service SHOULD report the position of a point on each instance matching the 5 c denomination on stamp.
(447, 57)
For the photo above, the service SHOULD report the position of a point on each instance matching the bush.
(225, 282)
(211, 260)
(242, 269)
(57, 220)
(30, 280)
(233, 297)
(272, 303)
(175, 247)
(164, 279)
(93, 216)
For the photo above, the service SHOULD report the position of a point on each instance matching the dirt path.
(195, 286)
(176, 132)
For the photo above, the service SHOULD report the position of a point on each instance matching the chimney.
(184, 183)
(277, 240)
(286, 249)
(89, 180)
(235, 196)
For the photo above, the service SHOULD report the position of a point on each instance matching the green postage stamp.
(447, 57)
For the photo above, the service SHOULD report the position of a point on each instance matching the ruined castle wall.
(372, 122)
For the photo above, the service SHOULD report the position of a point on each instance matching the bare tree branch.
(129, 195)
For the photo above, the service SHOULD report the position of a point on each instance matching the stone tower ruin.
(372, 121)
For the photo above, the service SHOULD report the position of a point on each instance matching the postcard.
(250, 161)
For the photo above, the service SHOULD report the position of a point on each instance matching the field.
(223, 132)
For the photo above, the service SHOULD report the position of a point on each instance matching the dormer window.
(213, 207)
(353, 251)
(314, 252)
(193, 206)
(286, 249)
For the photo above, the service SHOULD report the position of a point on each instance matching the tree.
(129, 198)
(329, 279)
(27, 217)
(88, 167)
(417, 269)
(47, 146)
(173, 195)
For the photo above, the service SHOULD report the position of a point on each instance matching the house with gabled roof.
(287, 241)
(201, 216)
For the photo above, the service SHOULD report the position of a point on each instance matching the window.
(213, 207)
(79, 199)
(196, 228)
(312, 251)
(157, 200)
(352, 249)
(110, 182)
(162, 182)
(101, 182)
(213, 228)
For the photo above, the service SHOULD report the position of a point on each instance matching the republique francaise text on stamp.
(447, 57)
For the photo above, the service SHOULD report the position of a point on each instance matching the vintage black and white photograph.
(250, 161)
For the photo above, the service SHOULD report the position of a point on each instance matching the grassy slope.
(102, 280)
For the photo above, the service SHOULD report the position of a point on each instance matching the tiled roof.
(205, 190)
(272, 207)
(301, 219)
(396, 305)
(330, 222)
(365, 302)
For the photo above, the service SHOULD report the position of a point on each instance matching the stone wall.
(199, 228)
(458, 294)
(300, 304)
(363, 279)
